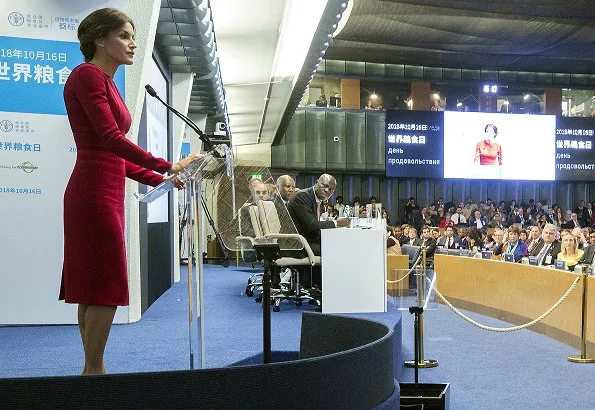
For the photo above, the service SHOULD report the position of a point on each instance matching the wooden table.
(517, 294)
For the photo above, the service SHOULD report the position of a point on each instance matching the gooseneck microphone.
(201, 135)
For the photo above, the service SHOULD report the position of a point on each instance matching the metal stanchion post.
(421, 280)
(190, 233)
(583, 356)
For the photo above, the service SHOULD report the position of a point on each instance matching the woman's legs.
(95, 322)
(82, 311)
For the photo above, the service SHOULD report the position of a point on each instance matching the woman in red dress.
(94, 273)
(487, 151)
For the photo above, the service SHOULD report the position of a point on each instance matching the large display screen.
(473, 145)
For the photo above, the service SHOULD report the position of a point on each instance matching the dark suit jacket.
(302, 208)
(430, 246)
(553, 251)
(456, 243)
(473, 222)
(416, 242)
(588, 255)
(516, 219)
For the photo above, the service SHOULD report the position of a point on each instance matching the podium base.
(426, 364)
(426, 395)
(581, 359)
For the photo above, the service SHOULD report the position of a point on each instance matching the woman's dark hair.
(492, 126)
(96, 26)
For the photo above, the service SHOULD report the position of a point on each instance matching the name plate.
(508, 257)
(560, 265)
(533, 261)
(486, 254)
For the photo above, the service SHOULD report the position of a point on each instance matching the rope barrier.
(408, 273)
(513, 328)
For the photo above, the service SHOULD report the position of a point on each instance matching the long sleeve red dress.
(94, 270)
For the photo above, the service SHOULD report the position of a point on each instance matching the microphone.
(201, 135)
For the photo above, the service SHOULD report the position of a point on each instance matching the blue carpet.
(486, 370)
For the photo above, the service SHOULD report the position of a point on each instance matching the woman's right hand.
(183, 163)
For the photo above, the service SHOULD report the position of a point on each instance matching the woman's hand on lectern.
(178, 183)
(183, 163)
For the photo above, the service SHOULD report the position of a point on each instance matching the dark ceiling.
(512, 35)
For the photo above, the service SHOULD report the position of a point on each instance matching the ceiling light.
(526, 97)
(436, 96)
(373, 96)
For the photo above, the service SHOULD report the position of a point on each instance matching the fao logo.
(16, 19)
(6, 125)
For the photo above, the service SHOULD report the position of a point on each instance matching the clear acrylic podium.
(217, 164)
(232, 194)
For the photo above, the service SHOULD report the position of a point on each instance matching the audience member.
(514, 246)
(582, 213)
(393, 247)
(449, 240)
(497, 240)
(548, 248)
(570, 253)
(534, 239)
(588, 254)
(446, 221)
(339, 205)
(428, 241)
(458, 218)
(404, 238)
(413, 239)
(473, 239)
(477, 221)
(321, 101)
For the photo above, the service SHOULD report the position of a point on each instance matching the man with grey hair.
(286, 188)
(548, 249)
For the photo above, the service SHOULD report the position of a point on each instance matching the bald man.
(305, 209)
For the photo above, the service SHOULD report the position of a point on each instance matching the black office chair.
(413, 252)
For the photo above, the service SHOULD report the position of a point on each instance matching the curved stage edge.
(344, 362)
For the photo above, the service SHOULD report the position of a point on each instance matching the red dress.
(94, 270)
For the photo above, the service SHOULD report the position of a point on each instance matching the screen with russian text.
(473, 145)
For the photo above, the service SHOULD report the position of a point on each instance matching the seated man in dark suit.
(428, 241)
(285, 188)
(588, 255)
(547, 250)
(449, 240)
(305, 208)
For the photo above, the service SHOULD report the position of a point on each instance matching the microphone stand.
(209, 148)
(201, 135)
